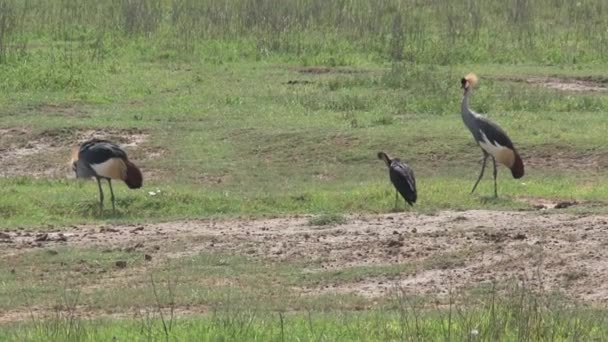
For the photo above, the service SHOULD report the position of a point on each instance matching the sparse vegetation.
(269, 108)
(327, 220)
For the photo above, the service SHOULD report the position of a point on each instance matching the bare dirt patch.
(60, 313)
(575, 84)
(320, 70)
(442, 252)
(564, 158)
(60, 109)
(47, 153)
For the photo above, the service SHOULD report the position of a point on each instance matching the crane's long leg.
(100, 196)
(112, 195)
(483, 168)
(495, 175)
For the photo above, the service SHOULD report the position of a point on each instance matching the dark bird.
(493, 141)
(402, 177)
(105, 160)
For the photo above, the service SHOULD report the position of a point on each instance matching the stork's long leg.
(396, 198)
(483, 168)
(100, 196)
(495, 175)
(112, 195)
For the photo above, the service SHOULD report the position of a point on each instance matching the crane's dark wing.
(97, 151)
(402, 177)
(494, 133)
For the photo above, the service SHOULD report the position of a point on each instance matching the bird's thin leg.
(495, 175)
(396, 198)
(100, 196)
(112, 195)
(483, 168)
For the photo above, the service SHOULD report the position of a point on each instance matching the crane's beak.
(464, 84)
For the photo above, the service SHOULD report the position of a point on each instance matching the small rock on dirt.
(147, 257)
(137, 229)
(520, 236)
(61, 237)
(394, 243)
(108, 230)
(42, 237)
(564, 204)
(134, 247)
(121, 264)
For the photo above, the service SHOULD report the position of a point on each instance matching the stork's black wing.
(495, 134)
(402, 177)
(97, 151)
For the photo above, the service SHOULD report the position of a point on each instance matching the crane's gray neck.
(468, 117)
(464, 107)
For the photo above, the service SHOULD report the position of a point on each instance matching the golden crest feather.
(472, 79)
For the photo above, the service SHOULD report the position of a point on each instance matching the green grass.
(270, 108)
(233, 297)
(221, 144)
(230, 130)
(327, 220)
(505, 321)
(58, 277)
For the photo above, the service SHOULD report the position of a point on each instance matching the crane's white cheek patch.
(113, 168)
(503, 155)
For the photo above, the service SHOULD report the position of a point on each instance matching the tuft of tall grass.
(440, 32)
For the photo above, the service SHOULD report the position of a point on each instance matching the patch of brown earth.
(319, 70)
(575, 84)
(47, 153)
(560, 158)
(59, 109)
(80, 312)
(446, 251)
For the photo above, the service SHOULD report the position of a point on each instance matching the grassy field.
(246, 299)
(408, 324)
(271, 108)
(240, 140)
(222, 129)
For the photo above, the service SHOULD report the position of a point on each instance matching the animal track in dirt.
(47, 153)
(441, 252)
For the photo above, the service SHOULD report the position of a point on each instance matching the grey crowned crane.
(103, 159)
(493, 141)
(402, 177)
